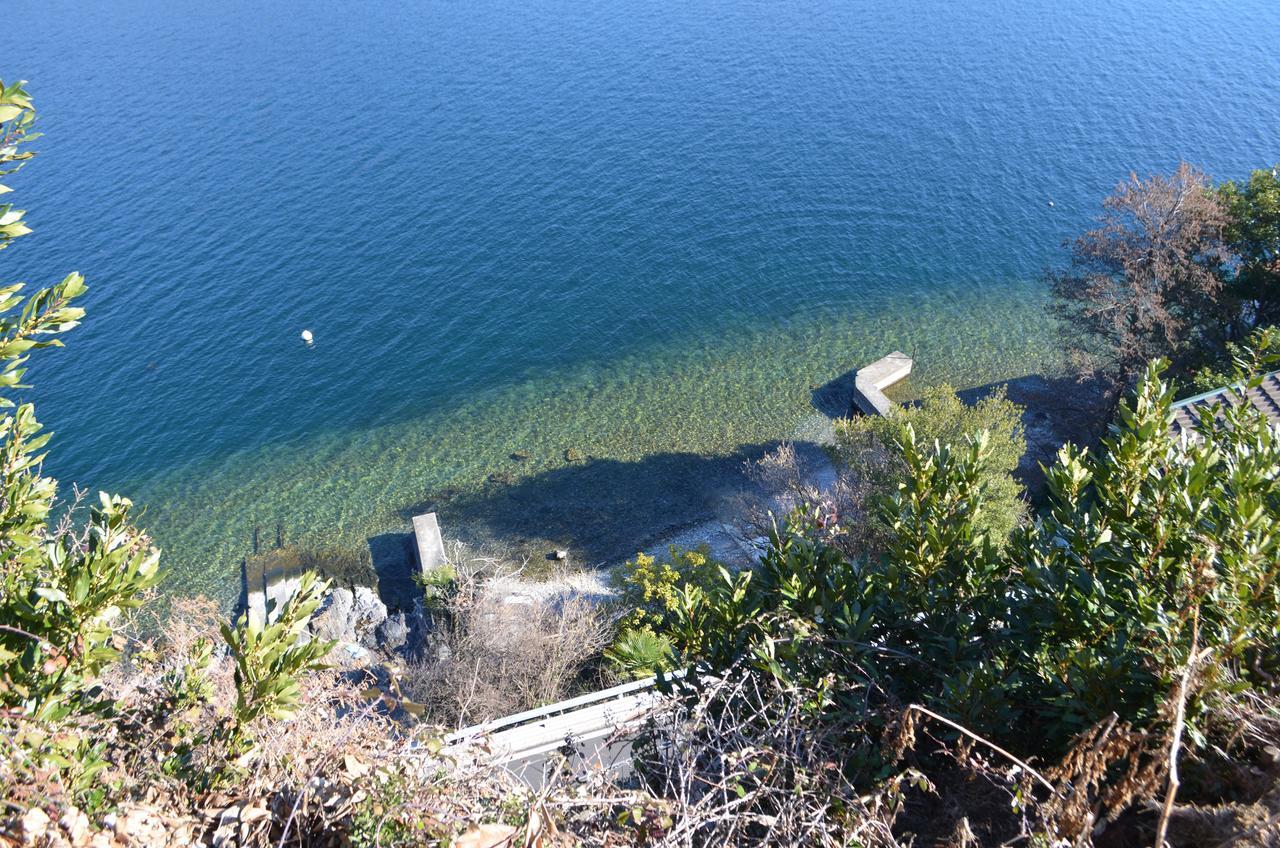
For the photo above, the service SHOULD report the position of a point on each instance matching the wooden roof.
(1265, 397)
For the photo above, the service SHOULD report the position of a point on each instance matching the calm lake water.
(642, 231)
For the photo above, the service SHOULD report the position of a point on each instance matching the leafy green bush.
(870, 446)
(64, 588)
(640, 653)
(269, 657)
(67, 586)
(648, 587)
(437, 584)
(1256, 354)
(1157, 555)
(1253, 231)
(649, 593)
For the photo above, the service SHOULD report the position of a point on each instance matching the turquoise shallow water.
(634, 230)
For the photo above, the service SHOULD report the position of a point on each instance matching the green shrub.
(648, 587)
(270, 657)
(870, 447)
(1156, 553)
(64, 587)
(1255, 355)
(67, 586)
(437, 584)
(640, 653)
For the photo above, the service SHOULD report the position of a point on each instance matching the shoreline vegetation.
(359, 490)
(1030, 614)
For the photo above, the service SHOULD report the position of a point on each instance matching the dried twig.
(1179, 722)
(993, 746)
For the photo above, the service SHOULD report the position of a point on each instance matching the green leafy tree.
(65, 585)
(1253, 232)
(1155, 563)
(872, 448)
(1153, 534)
(1256, 355)
(62, 588)
(17, 116)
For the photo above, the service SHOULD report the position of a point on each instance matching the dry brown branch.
(993, 746)
(743, 764)
(498, 655)
(1194, 659)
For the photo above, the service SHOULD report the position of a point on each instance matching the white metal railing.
(596, 729)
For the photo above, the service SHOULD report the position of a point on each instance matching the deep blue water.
(641, 229)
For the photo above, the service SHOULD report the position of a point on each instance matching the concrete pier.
(430, 545)
(870, 382)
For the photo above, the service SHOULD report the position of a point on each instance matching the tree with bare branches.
(1147, 282)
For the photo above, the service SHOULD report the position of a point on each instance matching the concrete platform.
(871, 381)
(430, 545)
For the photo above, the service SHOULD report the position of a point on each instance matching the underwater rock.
(573, 455)
(520, 456)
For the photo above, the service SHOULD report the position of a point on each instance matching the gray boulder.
(352, 616)
(393, 633)
(335, 620)
(368, 611)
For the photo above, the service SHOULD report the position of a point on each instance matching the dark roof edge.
(1234, 387)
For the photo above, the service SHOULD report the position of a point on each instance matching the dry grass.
(495, 655)
(740, 761)
(786, 483)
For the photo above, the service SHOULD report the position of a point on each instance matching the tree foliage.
(17, 116)
(1153, 533)
(1256, 354)
(269, 656)
(67, 580)
(1147, 282)
(871, 448)
(1253, 233)
(1156, 552)
(62, 589)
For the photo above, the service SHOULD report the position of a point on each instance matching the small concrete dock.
(870, 382)
(429, 544)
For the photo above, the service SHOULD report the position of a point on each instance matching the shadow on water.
(600, 509)
(834, 398)
(1057, 409)
(393, 562)
(605, 510)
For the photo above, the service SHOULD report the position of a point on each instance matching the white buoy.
(307, 337)
(1051, 203)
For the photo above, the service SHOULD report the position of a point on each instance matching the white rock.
(35, 824)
